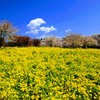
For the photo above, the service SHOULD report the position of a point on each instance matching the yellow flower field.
(45, 73)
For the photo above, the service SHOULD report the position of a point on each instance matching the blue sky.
(38, 18)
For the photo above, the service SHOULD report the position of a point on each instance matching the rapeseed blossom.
(49, 74)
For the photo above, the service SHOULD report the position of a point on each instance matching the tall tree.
(97, 38)
(73, 40)
(51, 41)
(89, 41)
(6, 29)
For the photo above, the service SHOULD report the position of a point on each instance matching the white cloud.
(46, 35)
(68, 30)
(35, 26)
(47, 29)
(35, 31)
(35, 23)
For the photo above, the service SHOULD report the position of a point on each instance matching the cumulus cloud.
(35, 26)
(35, 31)
(35, 23)
(47, 29)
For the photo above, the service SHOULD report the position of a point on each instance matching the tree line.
(8, 37)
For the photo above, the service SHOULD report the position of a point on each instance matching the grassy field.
(49, 74)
